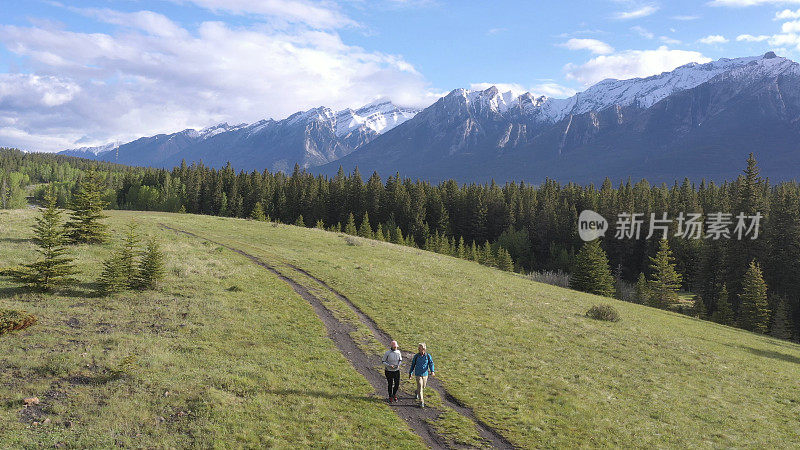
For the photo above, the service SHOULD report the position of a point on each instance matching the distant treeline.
(537, 225)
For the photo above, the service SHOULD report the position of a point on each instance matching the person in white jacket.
(391, 365)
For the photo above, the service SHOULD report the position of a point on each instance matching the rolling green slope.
(526, 359)
(243, 357)
(226, 356)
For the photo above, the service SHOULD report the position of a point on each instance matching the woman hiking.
(391, 365)
(421, 366)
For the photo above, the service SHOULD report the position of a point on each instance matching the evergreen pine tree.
(54, 268)
(128, 256)
(300, 222)
(699, 307)
(320, 224)
(365, 229)
(782, 320)
(473, 252)
(754, 309)
(258, 213)
(642, 290)
(591, 272)
(486, 257)
(665, 281)
(379, 233)
(113, 278)
(461, 251)
(398, 236)
(151, 267)
(84, 225)
(429, 244)
(504, 261)
(724, 313)
(350, 228)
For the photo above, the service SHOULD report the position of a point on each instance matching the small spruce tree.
(504, 261)
(129, 255)
(473, 252)
(486, 257)
(782, 320)
(665, 281)
(258, 213)
(398, 236)
(461, 251)
(151, 267)
(365, 229)
(754, 308)
(724, 313)
(300, 222)
(379, 233)
(642, 290)
(113, 278)
(350, 228)
(54, 269)
(699, 307)
(84, 225)
(591, 272)
(320, 224)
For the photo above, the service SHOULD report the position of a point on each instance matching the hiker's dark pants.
(393, 378)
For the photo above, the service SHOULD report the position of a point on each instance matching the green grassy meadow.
(245, 361)
(226, 355)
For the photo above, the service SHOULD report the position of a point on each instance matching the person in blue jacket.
(421, 366)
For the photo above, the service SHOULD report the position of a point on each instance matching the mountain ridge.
(660, 127)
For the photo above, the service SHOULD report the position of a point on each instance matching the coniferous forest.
(752, 283)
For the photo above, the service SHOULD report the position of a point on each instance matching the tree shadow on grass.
(772, 354)
(76, 290)
(12, 240)
(328, 395)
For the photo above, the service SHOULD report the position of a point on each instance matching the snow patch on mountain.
(379, 116)
(94, 151)
(639, 92)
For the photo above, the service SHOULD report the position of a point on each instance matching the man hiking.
(391, 365)
(421, 366)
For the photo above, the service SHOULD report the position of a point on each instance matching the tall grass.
(554, 278)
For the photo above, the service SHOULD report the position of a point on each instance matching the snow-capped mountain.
(91, 152)
(309, 138)
(699, 120)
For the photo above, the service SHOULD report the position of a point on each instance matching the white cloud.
(685, 18)
(631, 64)
(712, 39)
(787, 14)
(751, 38)
(549, 89)
(593, 45)
(743, 3)
(638, 13)
(791, 27)
(669, 40)
(95, 87)
(319, 15)
(552, 89)
(643, 32)
(24, 91)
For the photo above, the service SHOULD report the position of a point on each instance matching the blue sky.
(89, 72)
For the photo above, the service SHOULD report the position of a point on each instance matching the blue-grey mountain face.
(698, 121)
(309, 138)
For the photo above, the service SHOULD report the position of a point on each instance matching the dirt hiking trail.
(418, 419)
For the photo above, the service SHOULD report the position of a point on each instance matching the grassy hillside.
(521, 354)
(227, 353)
